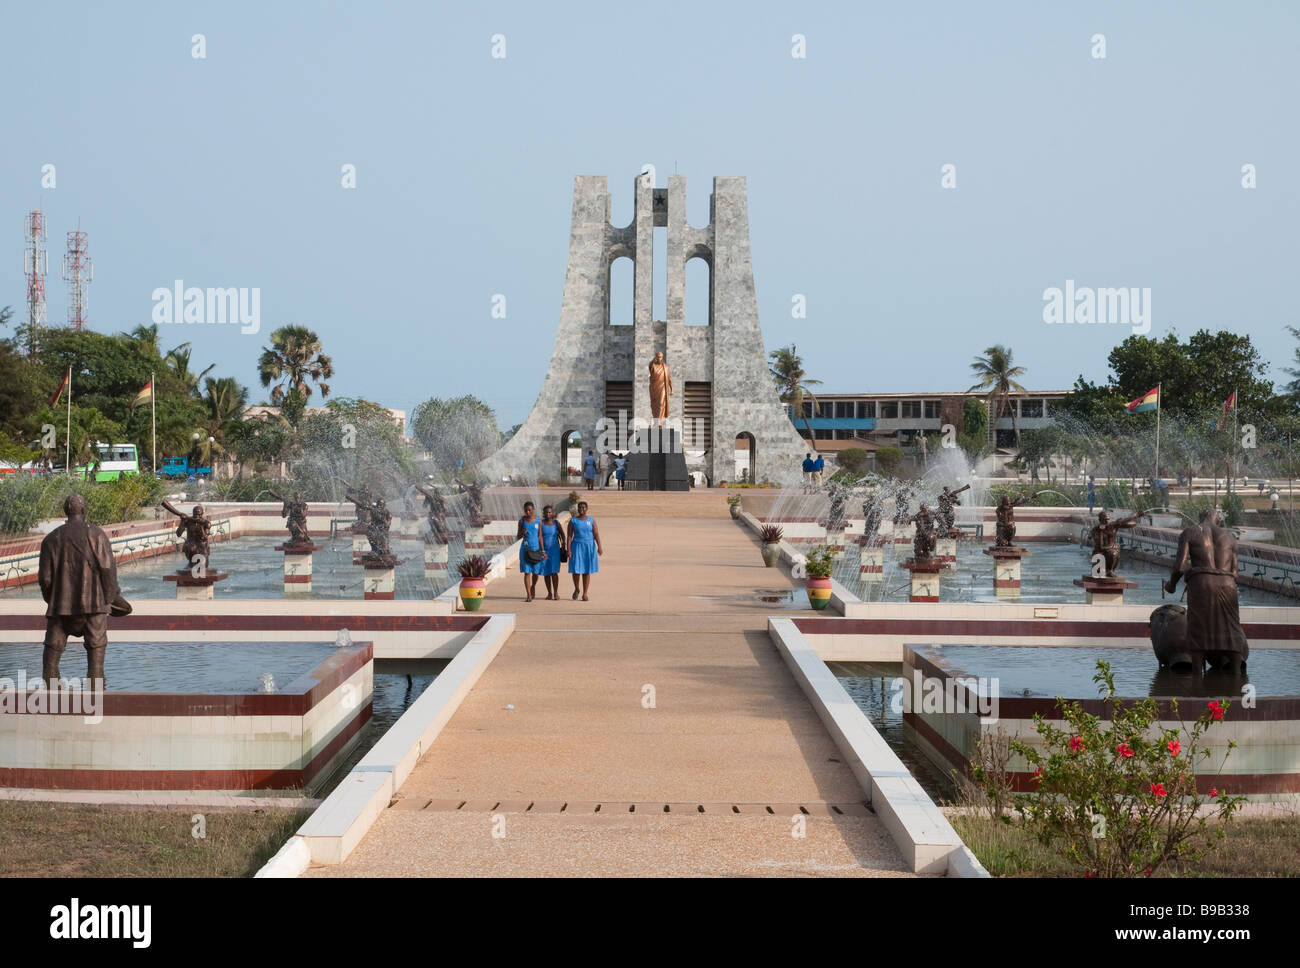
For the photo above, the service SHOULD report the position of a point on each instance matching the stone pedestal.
(380, 583)
(945, 549)
(871, 561)
(435, 562)
(297, 567)
(1105, 591)
(189, 588)
(1006, 570)
(474, 540)
(925, 578)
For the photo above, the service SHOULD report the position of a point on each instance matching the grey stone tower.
(721, 387)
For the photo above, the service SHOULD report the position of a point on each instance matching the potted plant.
(733, 502)
(573, 503)
(473, 581)
(818, 568)
(770, 535)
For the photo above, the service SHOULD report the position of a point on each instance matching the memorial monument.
(657, 387)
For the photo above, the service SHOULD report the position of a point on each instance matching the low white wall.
(923, 834)
(337, 826)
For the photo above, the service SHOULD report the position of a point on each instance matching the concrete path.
(655, 731)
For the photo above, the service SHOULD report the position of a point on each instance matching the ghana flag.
(1145, 403)
(144, 396)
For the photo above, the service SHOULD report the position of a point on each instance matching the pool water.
(256, 570)
(1047, 576)
(178, 667)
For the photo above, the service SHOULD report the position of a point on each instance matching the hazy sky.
(1122, 171)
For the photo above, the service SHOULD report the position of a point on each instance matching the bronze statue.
(1006, 517)
(474, 498)
(923, 543)
(661, 387)
(364, 501)
(873, 513)
(948, 510)
(295, 511)
(378, 519)
(902, 506)
(197, 530)
(1207, 558)
(1105, 539)
(436, 507)
(78, 578)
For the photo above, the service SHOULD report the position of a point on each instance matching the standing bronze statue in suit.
(78, 578)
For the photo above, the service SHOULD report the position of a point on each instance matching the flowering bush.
(1117, 793)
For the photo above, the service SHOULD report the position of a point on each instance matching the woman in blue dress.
(584, 549)
(554, 544)
(530, 530)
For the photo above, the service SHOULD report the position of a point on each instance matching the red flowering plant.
(1116, 793)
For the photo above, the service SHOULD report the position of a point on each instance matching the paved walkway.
(581, 778)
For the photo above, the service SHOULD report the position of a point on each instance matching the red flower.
(1158, 790)
(1215, 709)
(1124, 750)
(1174, 747)
(1076, 743)
(1214, 792)
(1038, 773)
(1089, 874)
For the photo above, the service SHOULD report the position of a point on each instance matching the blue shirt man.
(1092, 493)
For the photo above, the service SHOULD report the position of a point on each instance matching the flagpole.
(67, 436)
(153, 420)
(1160, 393)
(1233, 469)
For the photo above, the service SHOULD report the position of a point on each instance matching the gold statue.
(661, 387)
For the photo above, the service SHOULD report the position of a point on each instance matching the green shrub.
(853, 460)
(111, 502)
(888, 459)
(819, 562)
(26, 501)
(1117, 793)
(1234, 511)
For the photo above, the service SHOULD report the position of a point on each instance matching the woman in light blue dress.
(584, 549)
(554, 544)
(530, 530)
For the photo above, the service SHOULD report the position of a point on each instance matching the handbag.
(564, 555)
(533, 555)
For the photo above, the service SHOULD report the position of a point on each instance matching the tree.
(996, 373)
(792, 385)
(293, 362)
(457, 432)
(1293, 388)
(1197, 376)
(179, 361)
(975, 424)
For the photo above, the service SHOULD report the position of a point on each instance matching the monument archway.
(570, 456)
(746, 457)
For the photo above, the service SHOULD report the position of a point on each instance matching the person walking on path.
(532, 556)
(807, 473)
(589, 469)
(556, 547)
(620, 471)
(818, 466)
(604, 468)
(584, 549)
(1092, 493)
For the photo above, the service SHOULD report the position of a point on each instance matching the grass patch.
(1265, 847)
(80, 840)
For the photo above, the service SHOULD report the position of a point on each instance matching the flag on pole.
(1229, 405)
(1147, 402)
(62, 386)
(144, 396)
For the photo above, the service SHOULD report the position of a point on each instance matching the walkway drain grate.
(694, 808)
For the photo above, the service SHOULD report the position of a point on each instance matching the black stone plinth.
(660, 465)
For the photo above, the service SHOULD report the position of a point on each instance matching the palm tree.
(996, 372)
(146, 337)
(226, 401)
(179, 361)
(292, 362)
(792, 385)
